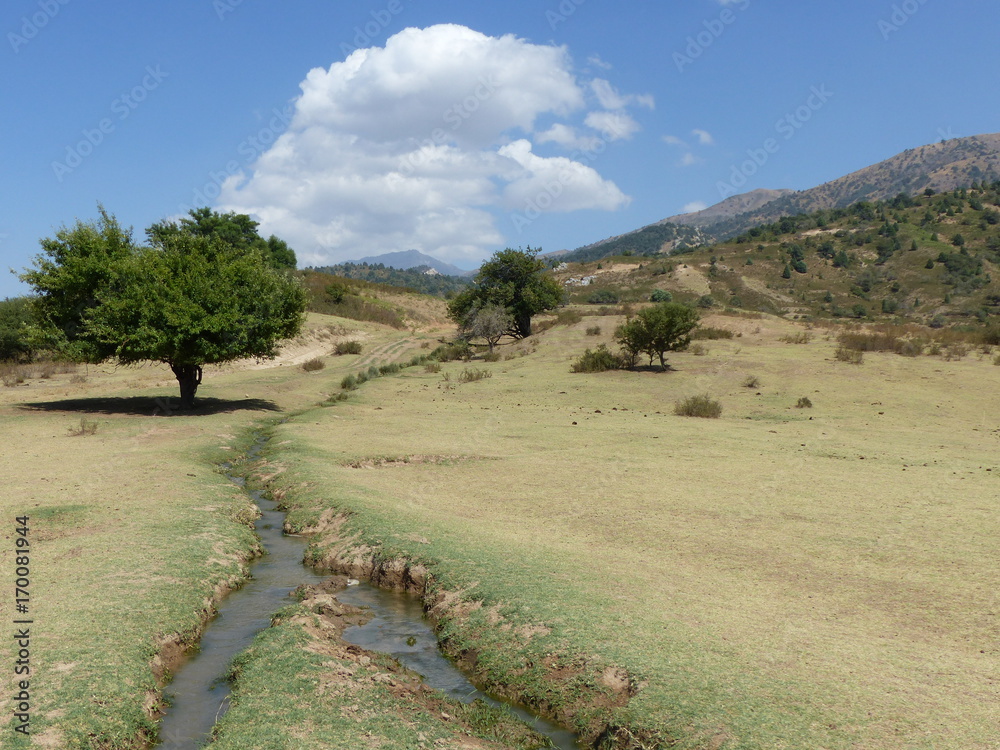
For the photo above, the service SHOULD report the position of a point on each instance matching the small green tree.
(517, 281)
(490, 322)
(186, 301)
(657, 330)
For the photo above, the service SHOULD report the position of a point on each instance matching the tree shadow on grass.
(150, 406)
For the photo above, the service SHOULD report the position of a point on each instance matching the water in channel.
(199, 692)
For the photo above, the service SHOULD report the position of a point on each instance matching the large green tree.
(515, 280)
(656, 330)
(187, 300)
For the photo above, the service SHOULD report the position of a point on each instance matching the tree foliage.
(489, 322)
(657, 330)
(236, 230)
(188, 300)
(515, 280)
(15, 319)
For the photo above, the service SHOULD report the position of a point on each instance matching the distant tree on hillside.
(515, 280)
(657, 330)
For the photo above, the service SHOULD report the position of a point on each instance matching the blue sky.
(459, 128)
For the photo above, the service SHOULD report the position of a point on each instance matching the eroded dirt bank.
(574, 690)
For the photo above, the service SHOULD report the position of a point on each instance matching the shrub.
(432, 367)
(594, 331)
(711, 334)
(751, 381)
(349, 383)
(347, 347)
(796, 338)
(390, 369)
(601, 359)
(313, 364)
(991, 336)
(804, 403)
(996, 360)
(698, 406)
(661, 295)
(569, 317)
(706, 301)
(362, 377)
(373, 372)
(852, 356)
(85, 428)
(493, 356)
(699, 350)
(470, 375)
(603, 297)
(450, 352)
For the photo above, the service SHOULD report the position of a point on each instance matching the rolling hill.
(928, 259)
(940, 167)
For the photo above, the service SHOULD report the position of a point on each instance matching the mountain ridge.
(408, 259)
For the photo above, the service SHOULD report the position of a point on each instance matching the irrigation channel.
(199, 692)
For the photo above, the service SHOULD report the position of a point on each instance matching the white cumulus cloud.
(425, 142)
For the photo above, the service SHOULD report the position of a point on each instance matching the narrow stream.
(199, 692)
(400, 629)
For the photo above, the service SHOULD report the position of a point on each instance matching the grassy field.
(779, 577)
(776, 578)
(133, 532)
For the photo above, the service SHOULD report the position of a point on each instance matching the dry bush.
(313, 364)
(698, 406)
(804, 403)
(85, 428)
(594, 331)
(851, 356)
(796, 338)
(711, 334)
(471, 375)
(698, 350)
(347, 347)
(751, 381)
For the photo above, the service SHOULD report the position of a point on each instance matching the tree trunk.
(522, 323)
(189, 378)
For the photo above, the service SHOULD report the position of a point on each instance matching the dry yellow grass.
(780, 577)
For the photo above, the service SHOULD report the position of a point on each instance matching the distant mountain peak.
(730, 207)
(941, 166)
(407, 259)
